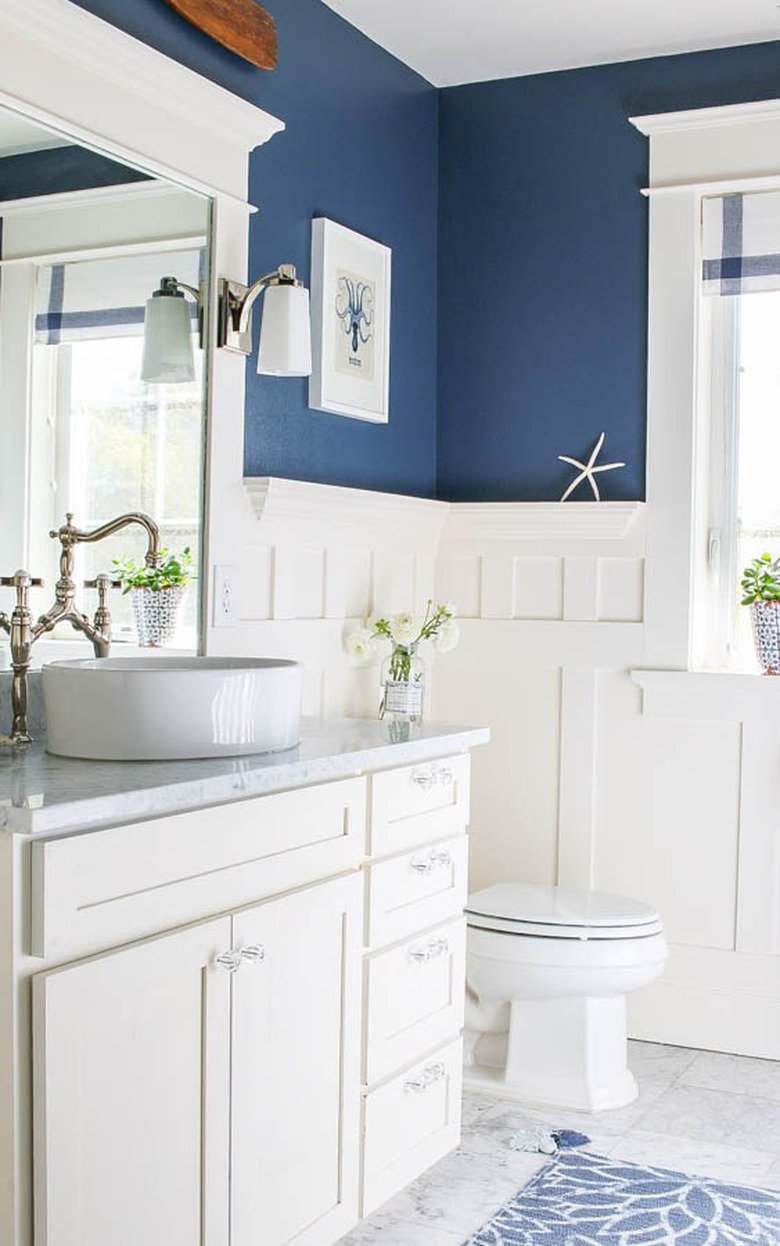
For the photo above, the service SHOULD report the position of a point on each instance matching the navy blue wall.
(542, 245)
(58, 169)
(360, 147)
(543, 269)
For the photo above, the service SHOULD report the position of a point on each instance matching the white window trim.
(692, 153)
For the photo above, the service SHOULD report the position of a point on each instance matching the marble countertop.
(45, 795)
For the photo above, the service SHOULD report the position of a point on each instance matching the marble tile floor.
(698, 1112)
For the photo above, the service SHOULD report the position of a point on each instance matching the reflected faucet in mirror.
(24, 632)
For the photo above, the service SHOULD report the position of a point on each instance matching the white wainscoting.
(660, 785)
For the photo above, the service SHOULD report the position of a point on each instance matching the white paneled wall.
(660, 785)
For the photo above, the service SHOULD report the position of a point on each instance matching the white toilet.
(547, 972)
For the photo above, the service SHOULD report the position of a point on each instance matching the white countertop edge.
(45, 795)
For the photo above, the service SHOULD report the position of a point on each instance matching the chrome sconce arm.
(285, 335)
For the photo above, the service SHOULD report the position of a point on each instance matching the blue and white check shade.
(741, 243)
(107, 297)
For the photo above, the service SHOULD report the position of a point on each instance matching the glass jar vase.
(402, 686)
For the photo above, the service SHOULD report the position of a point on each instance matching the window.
(697, 156)
(105, 441)
(740, 332)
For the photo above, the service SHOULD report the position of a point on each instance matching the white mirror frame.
(70, 70)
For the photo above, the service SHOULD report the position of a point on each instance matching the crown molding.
(71, 70)
(707, 118)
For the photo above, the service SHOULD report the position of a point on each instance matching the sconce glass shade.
(167, 355)
(285, 332)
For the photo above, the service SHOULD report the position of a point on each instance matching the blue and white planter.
(765, 617)
(156, 613)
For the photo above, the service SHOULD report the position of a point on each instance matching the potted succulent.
(760, 585)
(156, 593)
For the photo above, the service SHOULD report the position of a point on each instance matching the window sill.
(728, 696)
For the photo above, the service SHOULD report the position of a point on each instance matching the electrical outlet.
(224, 610)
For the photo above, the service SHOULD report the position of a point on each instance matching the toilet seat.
(559, 913)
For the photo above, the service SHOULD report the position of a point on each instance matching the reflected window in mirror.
(83, 239)
(106, 441)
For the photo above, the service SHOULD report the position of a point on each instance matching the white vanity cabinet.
(231, 1014)
(414, 972)
(202, 1086)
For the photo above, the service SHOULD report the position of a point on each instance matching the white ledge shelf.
(354, 516)
(725, 696)
(541, 521)
(361, 516)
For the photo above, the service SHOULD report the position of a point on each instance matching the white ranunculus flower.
(449, 608)
(359, 644)
(403, 629)
(447, 636)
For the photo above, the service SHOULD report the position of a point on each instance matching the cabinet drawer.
(415, 997)
(414, 804)
(103, 887)
(408, 893)
(409, 1123)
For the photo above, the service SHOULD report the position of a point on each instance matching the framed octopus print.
(350, 311)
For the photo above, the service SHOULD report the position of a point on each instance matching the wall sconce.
(167, 351)
(285, 331)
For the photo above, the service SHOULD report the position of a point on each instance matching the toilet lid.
(560, 912)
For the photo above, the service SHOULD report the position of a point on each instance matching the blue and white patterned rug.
(582, 1199)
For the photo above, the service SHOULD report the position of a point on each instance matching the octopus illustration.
(355, 310)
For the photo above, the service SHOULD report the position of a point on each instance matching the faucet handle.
(20, 579)
(102, 582)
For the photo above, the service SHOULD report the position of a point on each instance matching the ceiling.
(455, 41)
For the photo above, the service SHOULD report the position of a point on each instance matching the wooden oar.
(240, 25)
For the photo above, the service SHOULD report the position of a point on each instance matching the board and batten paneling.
(599, 773)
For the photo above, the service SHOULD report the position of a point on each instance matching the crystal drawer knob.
(429, 1076)
(230, 961)
(434, 861)
(252, 954)
(433, 949)
(426, 779)
(233, 959)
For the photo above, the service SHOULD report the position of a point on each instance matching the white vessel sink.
(157, 708)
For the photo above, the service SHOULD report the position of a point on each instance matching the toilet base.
(568, 1053)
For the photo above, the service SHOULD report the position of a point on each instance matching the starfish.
(588, 470)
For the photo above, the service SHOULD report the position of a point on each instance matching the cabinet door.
(296, 1092)
(131, 1093)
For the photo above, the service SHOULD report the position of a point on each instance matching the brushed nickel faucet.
(24, 632)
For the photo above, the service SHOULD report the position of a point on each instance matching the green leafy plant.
(761, 580)
(173, 571)
(405, 633)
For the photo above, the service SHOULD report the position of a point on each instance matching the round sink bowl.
(170, 708)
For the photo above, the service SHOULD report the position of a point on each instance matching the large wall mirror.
(84, 242)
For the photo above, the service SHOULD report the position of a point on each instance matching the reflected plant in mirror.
(85, 244)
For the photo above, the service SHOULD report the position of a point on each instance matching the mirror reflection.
(85, 242)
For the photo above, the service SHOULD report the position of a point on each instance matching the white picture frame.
(350, 314)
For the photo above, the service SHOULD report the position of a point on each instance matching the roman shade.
(107, 297)
(741, 243)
